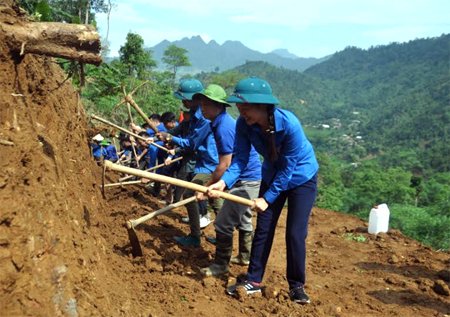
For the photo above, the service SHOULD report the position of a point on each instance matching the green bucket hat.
(215, 93)
(253, 90)
(104, 142)
(188, 88)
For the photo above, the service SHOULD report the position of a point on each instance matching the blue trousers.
(300, 202)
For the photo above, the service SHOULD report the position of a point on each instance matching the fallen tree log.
(71, 41)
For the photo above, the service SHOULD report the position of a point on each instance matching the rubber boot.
(224, 247)
(245, 246)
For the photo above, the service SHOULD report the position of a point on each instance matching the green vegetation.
(79, 11)
(353, 237)
(379, 119)
(135, 66)
(175, 57)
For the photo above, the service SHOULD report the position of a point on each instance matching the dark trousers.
(300, 202)
(169, 170)
(187, 176)
(184, 176)
(193, 207)
(144, 163)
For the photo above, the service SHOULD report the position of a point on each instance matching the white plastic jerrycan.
(379, 219)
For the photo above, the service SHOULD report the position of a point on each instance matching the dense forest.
(379, 119)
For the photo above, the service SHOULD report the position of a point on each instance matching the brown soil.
(64, 250)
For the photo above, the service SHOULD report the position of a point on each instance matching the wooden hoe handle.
(173, 181)
(126, 131)
(134, 222)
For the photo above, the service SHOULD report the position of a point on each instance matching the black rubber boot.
(245, 246)
(224, 247)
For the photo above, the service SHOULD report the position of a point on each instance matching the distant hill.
(397, 97)
(379, 121)
(208, 57)
(284, 53)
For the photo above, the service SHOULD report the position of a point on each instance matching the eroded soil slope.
(64, 250)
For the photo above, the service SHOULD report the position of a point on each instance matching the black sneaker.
(298, 295)
(250, 287)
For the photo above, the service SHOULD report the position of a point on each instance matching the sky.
(307, 28)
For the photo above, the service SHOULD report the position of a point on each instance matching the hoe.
(131, 224)
(169, 180)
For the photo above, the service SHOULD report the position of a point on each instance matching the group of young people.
(264, 156)
(138, 153)
(103, 148)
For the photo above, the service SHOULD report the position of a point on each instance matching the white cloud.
(206, 37)
(124, 13)
(243, 18)
(303, 13)
(153, 36)
(387, 20)
(265, 45)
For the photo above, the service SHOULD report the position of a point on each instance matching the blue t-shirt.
(296, 162)
(160, 127)
(96, 150)
(153, 152)
(201, 140)
(127, 150)
(224, 129)
(111, 152)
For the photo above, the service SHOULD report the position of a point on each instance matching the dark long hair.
(273, 155)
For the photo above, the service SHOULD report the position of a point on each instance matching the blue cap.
(253, 90)
(188, 88)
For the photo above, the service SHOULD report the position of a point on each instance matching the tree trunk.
(70, 41)
(108, 16)
(87, 12)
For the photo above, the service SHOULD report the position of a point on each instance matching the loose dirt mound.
(64, 251)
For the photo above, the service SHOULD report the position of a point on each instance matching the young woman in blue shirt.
(289, 173)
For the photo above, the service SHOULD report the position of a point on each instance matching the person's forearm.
(218, 173)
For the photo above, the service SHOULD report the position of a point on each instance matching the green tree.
(419, 224)
(330, 186)
(134, 56)
(227, 80)
(175, 57)
(79, 11)
(372, 185)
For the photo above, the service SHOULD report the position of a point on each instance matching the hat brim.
(98, 138)
(253, 98)
(183, 96)
(198, 94)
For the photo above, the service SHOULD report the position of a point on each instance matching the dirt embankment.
(64, 251)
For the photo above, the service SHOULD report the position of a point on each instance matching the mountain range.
(395, 96)
(211, 56)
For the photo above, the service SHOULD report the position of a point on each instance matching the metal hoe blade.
(136, 249)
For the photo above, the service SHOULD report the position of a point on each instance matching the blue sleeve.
(196, 137)
(161, 127)
(241, 154)
(225, 139)
(152, 153)
(286, 162)
(112, 152)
